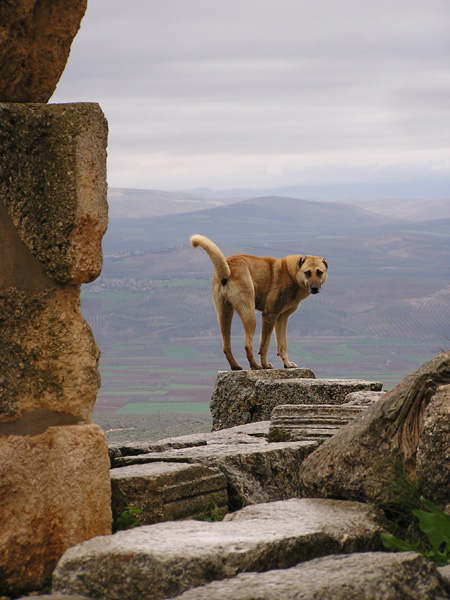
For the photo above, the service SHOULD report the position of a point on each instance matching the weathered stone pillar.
(54, 467)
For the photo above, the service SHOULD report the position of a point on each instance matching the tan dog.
(275, 286)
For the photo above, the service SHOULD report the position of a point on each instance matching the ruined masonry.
(54, 468)
(241, 397)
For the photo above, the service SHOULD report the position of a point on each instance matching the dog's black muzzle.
(315, 290)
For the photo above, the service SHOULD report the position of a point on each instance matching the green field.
(182, 352)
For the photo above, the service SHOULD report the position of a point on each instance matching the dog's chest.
(277, 299)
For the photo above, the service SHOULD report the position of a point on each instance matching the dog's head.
(312, 273)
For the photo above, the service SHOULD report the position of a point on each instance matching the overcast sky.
(265, 93)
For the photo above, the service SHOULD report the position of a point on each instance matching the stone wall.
(54, 468)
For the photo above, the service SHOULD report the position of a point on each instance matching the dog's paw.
(267, 366)
(290, 365)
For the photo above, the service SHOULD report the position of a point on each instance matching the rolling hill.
(261, 221)
(384, 309)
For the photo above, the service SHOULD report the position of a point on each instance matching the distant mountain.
(143, 204)
(410, 210)
(263, 220)
(137, 204)
(342, 192)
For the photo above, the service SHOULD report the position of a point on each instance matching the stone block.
(248, 399)
(256, 471)
(165, 559)
(35, 40)
(55, 491)
(168, 491)
(368, 576)
(234, 394)
(49, 358)
(53, 184)
(309, 421)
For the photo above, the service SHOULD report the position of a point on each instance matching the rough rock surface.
(433, 449)
(54, 470)
(256, 470)
(356, 462)
(55, 492)
(168, 491)
(35, 40)
(165, 559)
(234, 394)
(359, 576)
(247, 396)
(50, 358)
(56, 597)
(363, 398)
(53, 183)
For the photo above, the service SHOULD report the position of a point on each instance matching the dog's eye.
(319, 273)
(307, 273)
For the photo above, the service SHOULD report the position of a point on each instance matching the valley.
(384, 310)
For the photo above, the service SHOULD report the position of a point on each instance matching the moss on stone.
(49, 357)
(20, 359)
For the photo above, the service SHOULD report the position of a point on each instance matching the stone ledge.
(369, 575)
(165, 559)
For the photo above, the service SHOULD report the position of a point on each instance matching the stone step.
(166, 491)
(368, 575)
(305, 421)
(256, 470)
(163, 560)
(251, 398)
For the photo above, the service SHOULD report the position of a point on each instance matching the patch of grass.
(415, 523)
(435, 527)
(128, 519)
(213, 513)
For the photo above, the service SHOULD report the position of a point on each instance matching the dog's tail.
(215, 254)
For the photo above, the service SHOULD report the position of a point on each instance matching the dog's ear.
(301, 260)
(325, 262)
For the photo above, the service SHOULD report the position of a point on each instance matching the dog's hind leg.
(247, 315)
(281, 337)
(224, 317)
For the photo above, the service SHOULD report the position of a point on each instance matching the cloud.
(235, 93)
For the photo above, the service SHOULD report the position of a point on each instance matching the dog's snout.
(315, 289)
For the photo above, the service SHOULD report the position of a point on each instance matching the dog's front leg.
(281, 337)
(267, 325)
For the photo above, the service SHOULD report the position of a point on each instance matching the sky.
(266, 93)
